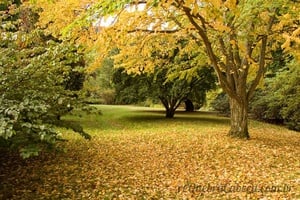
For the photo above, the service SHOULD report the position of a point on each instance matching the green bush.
(279, 100)
(289, 82)
(265, 107)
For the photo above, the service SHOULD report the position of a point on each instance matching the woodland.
(149, 99)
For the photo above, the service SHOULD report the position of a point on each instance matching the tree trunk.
(239, 119)
(189, 106)
(170, 106)
(170, 113)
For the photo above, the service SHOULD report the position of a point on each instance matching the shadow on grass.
(144, 118)
(180, 116)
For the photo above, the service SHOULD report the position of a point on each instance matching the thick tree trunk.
(239, 119)
(170, 113)
(170, 106)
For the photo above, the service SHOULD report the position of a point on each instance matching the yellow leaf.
(265, 16)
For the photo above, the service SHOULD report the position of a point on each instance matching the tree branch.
(153, 31)
(213, 58)
(262, 59)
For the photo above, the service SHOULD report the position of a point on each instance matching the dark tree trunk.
(170, 106)
(239, 119)
(189, 106)
(170, 113)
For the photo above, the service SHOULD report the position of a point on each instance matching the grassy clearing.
(136, 153)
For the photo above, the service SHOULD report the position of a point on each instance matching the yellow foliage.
(216, 3)
(292, 43)
(137, 30)
(58, 14)
(233, 42)
(265, 16)
(231, 4)
(221, 28)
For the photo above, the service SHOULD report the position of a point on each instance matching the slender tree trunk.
(239, 119)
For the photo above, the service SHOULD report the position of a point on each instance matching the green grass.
(136, 153)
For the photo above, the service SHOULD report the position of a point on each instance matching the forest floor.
(136, 153)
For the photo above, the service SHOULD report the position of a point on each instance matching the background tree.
(175, 69)
(129, 88)
(173, 92)
(134, 89)
(99, 87)
(177, 75)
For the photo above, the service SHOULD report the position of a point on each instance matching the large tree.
(238, 37)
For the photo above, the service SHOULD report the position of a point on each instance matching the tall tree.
(238, 37)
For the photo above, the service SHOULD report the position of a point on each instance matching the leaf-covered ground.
(138, 154)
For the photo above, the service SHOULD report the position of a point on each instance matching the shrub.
(221, 104)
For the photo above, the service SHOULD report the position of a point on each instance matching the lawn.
(136, 153)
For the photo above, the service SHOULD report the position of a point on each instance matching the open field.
(136, 153)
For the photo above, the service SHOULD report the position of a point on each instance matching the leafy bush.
(265, 107)
(279, 102)
(108, 96)
(288, 84)
(39, 78)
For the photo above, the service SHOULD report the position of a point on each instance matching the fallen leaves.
(154, 162)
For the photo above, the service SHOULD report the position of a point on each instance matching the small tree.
(132, 88)
(173, 92)
(171, 74)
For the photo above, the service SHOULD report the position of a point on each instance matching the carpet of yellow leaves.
(141, 155)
